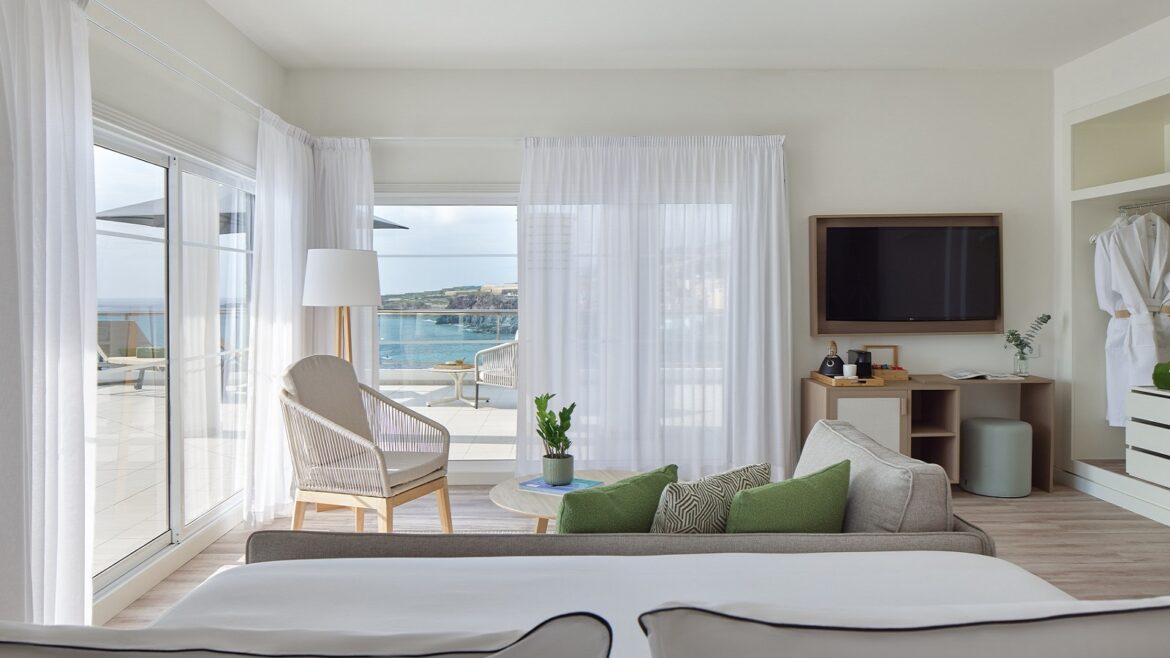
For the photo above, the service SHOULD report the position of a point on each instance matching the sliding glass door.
(174, 254)
(213, 338)
(132, 422)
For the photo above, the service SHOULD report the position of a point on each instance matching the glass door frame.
(176, 163)
(139, 150)
(179, 527)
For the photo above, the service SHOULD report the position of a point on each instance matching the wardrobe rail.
(1147, 204)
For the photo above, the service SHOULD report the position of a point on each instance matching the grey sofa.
(895, 504)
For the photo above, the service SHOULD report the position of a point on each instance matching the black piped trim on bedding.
(894, 629)
(227, 652)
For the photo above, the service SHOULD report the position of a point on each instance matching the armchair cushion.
(406, 467)
(406, 470)
(328, 386)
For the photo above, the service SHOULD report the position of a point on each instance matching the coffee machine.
(864, 361)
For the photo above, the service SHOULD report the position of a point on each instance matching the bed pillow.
(575, 635)
(625, 506)
(1071, 629)
(702, 506)
(814, 503)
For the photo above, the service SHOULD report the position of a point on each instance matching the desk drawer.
(1150, 408)
(1144, 466)
(1152, 438)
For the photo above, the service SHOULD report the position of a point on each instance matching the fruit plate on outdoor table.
(453, 366)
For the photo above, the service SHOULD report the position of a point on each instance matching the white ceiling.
(644, 34)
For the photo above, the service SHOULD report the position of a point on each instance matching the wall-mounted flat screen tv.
(917, 274)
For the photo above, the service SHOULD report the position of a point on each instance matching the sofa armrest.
(962, 525)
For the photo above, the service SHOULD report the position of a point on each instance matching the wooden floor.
(1084, 546)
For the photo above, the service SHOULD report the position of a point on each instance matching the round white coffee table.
(456, 381)
(511, 497)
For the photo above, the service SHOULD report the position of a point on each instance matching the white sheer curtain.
(344, 219)
(47, 327)
(654, 279)
(199, 312)
(310, 192)
(278, 336)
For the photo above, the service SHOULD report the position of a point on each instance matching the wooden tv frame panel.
(818, 224)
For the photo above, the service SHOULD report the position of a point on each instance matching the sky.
(445, 246)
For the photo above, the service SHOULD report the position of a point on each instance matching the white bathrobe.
(1132, 266)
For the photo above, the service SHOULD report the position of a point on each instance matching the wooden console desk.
(921, 417)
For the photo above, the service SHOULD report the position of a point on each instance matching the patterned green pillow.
(701, 507)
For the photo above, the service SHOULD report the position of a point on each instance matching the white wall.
(1126, 64)
(132, 82)
(857, 142)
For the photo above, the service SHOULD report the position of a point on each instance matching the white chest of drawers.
(1147, 435)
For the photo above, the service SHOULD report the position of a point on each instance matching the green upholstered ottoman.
(995, 457)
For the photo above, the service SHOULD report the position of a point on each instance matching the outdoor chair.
(496, 366)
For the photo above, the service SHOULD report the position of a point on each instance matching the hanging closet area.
(1116, 202)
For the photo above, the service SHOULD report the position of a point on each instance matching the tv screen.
(908, 274)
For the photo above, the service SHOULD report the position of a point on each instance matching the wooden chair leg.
(385, 512)
(360, 518)
(298, 519)
(445, 509)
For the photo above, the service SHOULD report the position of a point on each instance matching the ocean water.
(420, 341)
(407, 341)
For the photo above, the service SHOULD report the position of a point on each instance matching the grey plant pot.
(558, 471)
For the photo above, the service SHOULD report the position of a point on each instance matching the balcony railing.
(420, 338)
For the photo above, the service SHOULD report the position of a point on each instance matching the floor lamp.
(342, 278)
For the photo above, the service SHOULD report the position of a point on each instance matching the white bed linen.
(493, 593)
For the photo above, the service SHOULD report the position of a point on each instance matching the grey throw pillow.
(702, 506)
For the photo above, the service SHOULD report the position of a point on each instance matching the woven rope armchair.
(353, 447)
(496, 366)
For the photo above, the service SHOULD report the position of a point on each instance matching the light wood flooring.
(1084, 546)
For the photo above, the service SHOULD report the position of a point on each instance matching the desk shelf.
(921, 417)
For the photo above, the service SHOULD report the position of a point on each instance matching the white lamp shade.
(341, 277)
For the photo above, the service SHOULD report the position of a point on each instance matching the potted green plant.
(1023, 344)
(553, 429)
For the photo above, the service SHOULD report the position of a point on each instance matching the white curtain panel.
(278, 336)
(199, 311)
(344, 219)
(310, 193)
(48, 323)
(655, 295)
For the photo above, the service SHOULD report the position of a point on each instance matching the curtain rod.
(255, 106)
(171, 49)
(495, 140)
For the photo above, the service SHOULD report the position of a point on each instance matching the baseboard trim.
(483, 472)
(1152, 511)
(117, 596)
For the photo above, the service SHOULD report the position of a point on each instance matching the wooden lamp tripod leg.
(344, 345)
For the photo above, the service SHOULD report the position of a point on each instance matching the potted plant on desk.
(553, 429)
(1024, 344)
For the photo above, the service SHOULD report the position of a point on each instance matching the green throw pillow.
(813, 503)
(625, 506)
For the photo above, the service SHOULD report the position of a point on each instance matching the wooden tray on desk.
(841, 381)
(891, 375)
